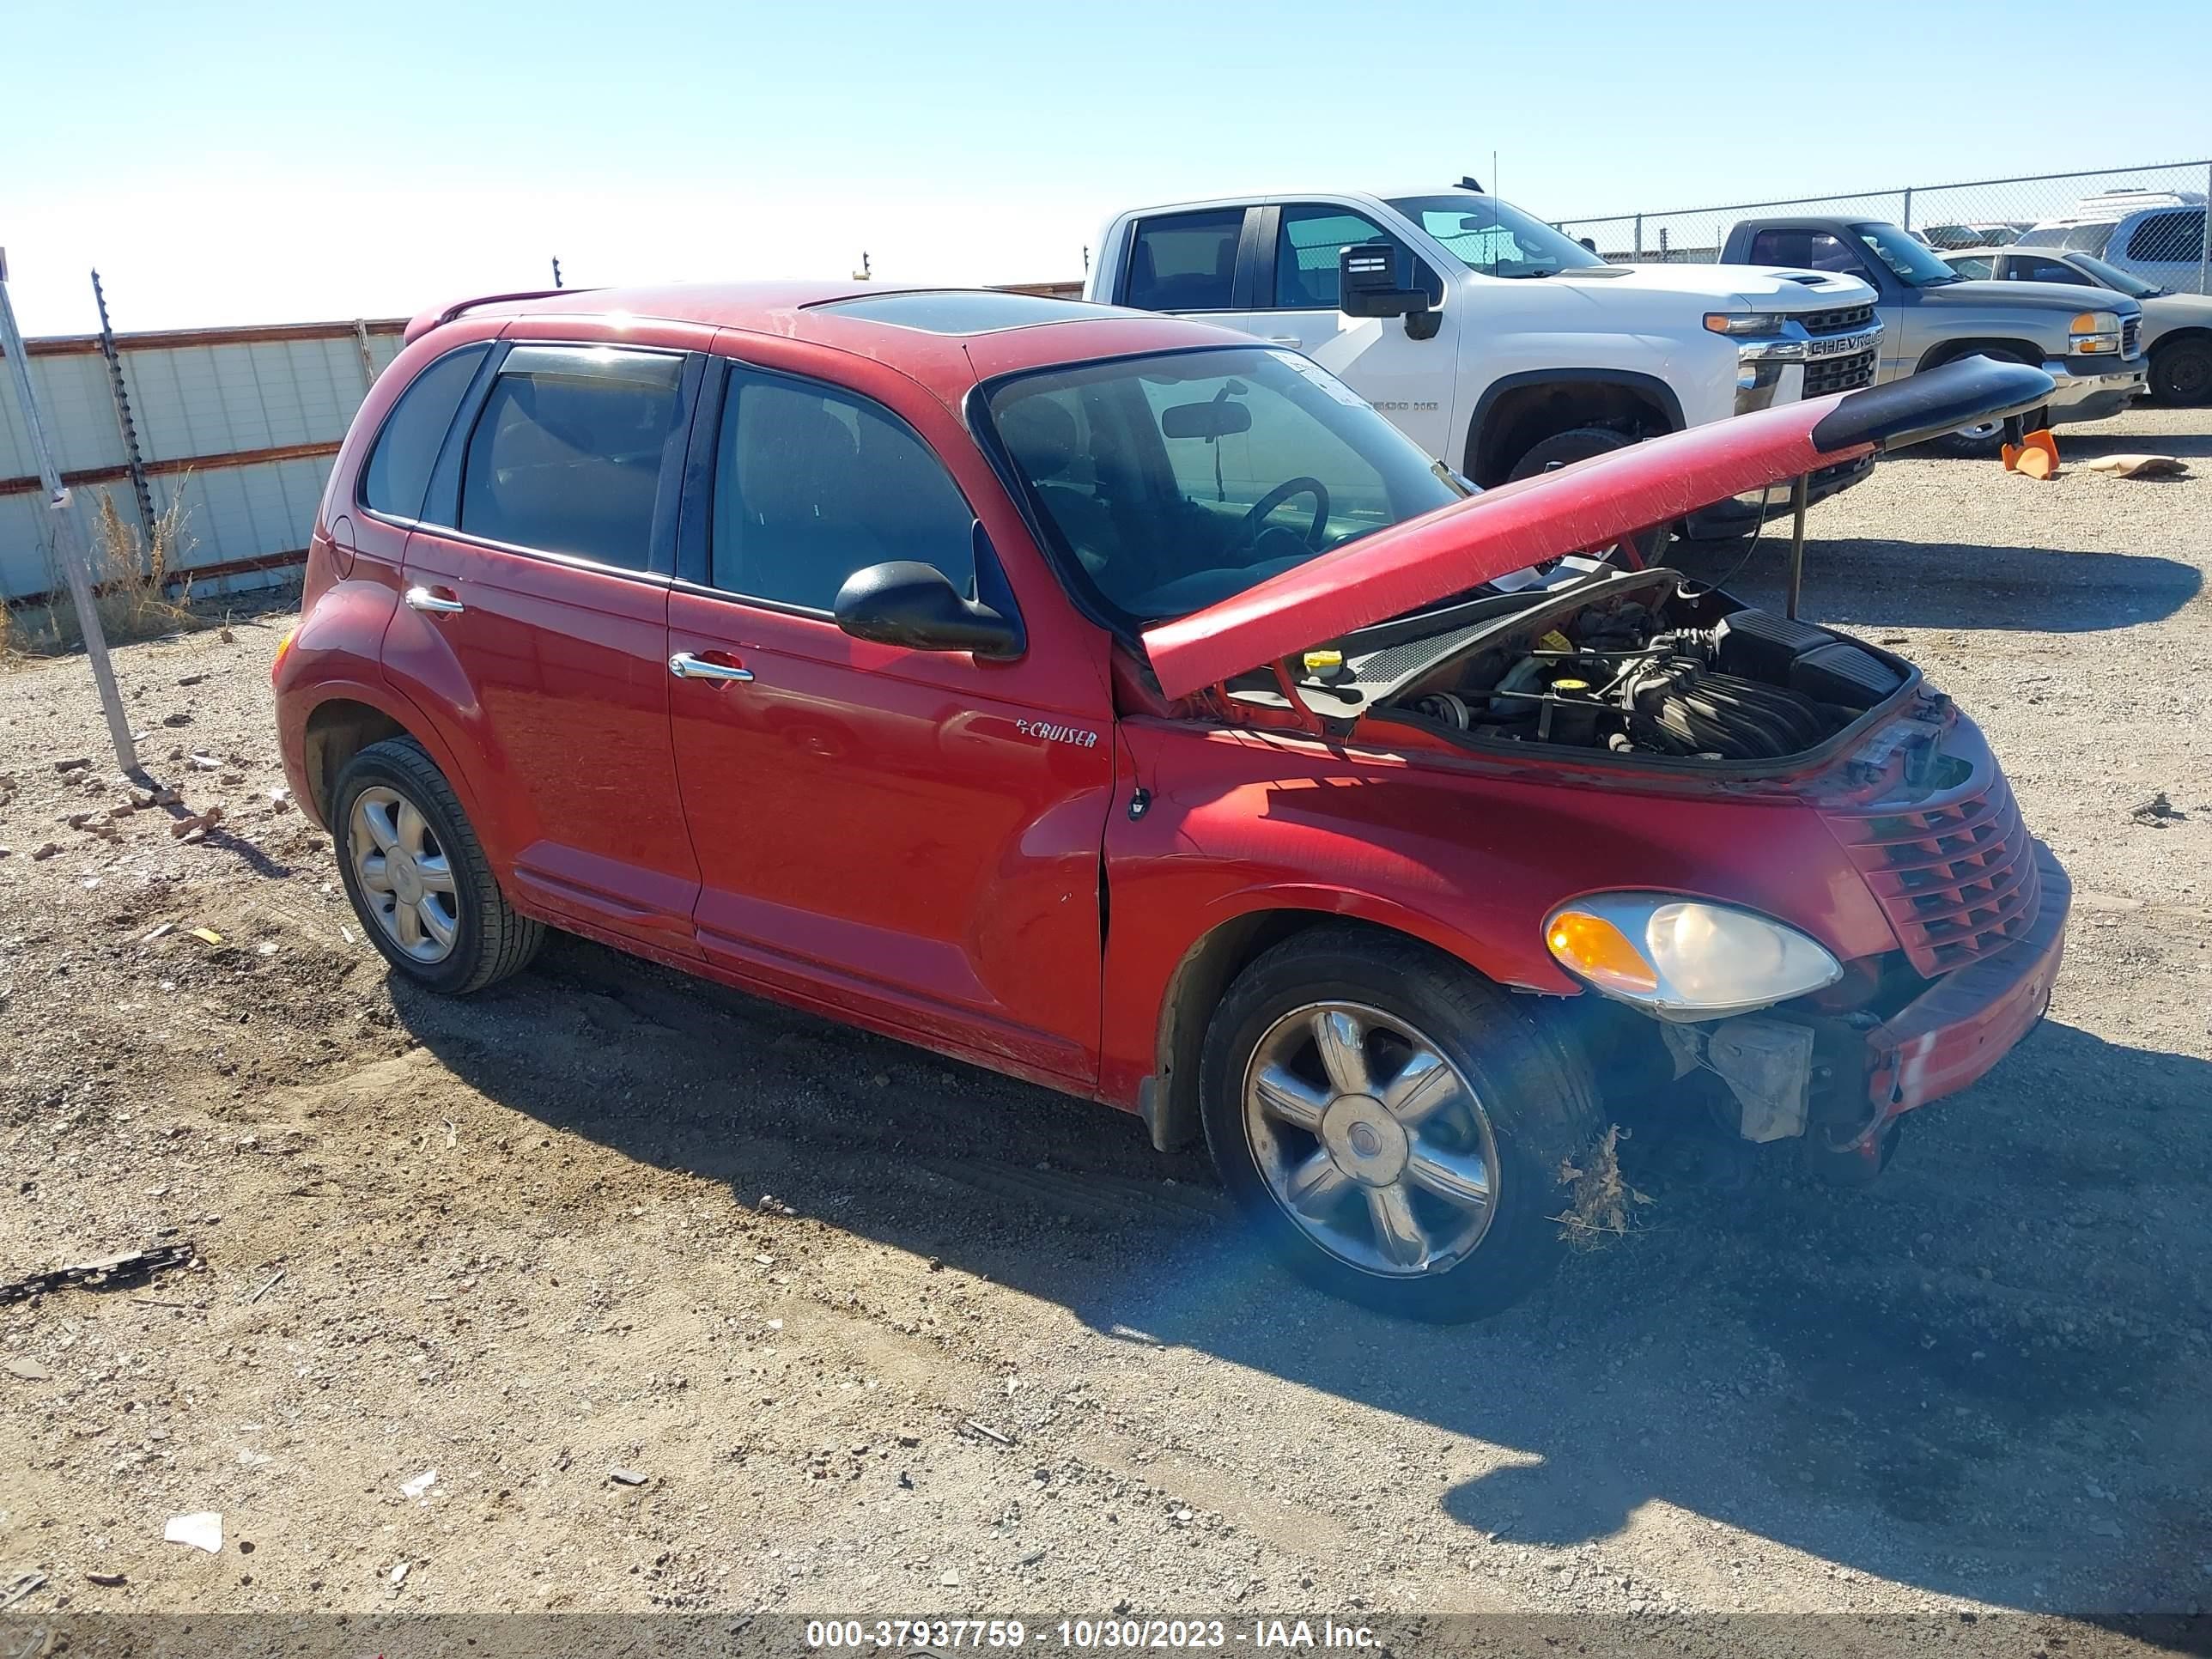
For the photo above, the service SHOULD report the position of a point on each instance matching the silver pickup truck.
(2089, 340)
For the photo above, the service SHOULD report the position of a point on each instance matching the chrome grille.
(2130, 336)
(1826, 374)
(1957, 881)
(1841, 321)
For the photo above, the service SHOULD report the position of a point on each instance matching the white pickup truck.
(1499, 344)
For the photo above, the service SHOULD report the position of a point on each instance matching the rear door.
(1408, 380)
(909, 839)
(535, 628)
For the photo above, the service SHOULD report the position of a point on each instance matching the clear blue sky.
(234, 163)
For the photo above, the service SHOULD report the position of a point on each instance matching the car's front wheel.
(2181, 371)
(417, 877)
(1394, 1127)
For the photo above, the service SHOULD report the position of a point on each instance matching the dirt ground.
(872, 1331)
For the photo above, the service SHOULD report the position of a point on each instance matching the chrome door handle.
(1283, 339)
(685, 666)
(422, 598)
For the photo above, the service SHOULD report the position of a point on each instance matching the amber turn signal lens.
(1593, 948)
(283, 649)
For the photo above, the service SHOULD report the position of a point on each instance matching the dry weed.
(1600, 1205)
(130, 585)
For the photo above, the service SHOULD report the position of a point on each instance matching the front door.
(907, 838)
(535, 630)
(1408, 380)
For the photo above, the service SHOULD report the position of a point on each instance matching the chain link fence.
(2150, 220)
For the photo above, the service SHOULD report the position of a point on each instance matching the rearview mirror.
(915, 606)
(1368, 285)
(1215, 418)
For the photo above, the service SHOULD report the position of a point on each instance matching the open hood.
(1589, 505)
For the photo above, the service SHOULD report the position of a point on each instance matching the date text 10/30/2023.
(1291, 1635)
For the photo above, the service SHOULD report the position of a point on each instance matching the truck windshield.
(1496, 238)
(1906, 255)
(1170, 482)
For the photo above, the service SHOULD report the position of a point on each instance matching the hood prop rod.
(1798, 491)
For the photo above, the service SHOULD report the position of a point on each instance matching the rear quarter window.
(398, 474)
(2169, 238)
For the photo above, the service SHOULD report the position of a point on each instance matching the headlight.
(2096, 331)
(1684, 958)
(1745, 322)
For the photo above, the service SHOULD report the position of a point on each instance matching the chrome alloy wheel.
(406, 878)
(1370, 1140)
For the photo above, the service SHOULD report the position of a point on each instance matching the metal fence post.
(121, 393)
(1639, 236)
(368, 362)
(2204, 248)
(73, 552)
(1907, 223)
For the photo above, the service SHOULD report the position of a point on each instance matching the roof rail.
(430, 320)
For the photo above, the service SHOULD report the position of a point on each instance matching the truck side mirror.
(1367, 285)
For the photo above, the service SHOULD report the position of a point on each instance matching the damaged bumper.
(1953, 1033)
(1842, 1083)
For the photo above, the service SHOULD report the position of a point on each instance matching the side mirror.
(1368, 285)
(904, 603)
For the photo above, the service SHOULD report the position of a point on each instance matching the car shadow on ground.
(1866, 583)
(1898, 1381)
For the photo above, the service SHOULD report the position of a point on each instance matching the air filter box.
(1758, 645)
(1843, 673)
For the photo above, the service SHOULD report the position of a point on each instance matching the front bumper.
(1964, 1023)
(2093, 388)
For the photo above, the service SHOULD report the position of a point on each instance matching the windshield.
(1906, 255)
(2112, 277)
(1495, 237)
(1173, 482)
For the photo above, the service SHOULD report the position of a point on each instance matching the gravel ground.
(873, 1332)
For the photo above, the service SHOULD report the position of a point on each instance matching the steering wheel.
(1255, 520)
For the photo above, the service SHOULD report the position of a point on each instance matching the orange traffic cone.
(2036, 454)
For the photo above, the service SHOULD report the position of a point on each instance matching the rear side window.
(2044, 270)
(2169, 237)
(398, 471)
(568, 453)
(1185, 261)
(811, 484)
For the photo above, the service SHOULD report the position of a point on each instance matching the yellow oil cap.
(1570, 686)
(1324, 662)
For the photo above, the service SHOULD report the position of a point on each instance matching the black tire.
(2181, 371)
(1987, 445)
(493, 939)
(1579, 445)
(1534, 1086)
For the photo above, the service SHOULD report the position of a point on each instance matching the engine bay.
(1644, 664)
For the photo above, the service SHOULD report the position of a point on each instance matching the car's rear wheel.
(2181, 371)
(1562, 449)
(417, 877)
(1393, 1126)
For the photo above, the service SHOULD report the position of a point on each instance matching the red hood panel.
(1591, 504)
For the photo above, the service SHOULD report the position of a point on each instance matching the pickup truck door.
(1905, 332)
(908, 839)
(1295, 295)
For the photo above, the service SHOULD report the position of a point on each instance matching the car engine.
(1629, 678)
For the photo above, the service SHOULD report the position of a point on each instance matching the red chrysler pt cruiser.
(1122, 704)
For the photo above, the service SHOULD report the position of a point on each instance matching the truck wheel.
(1579, 445)
(1982, 442)
(418, 879)
(1394, 1126)
(2181, 371)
